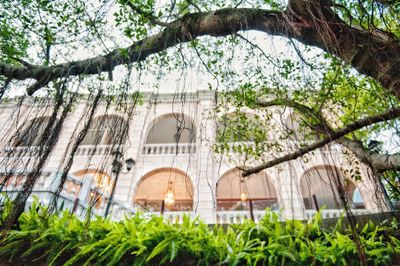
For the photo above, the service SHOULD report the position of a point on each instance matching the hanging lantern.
(243, 196)
(169, 196)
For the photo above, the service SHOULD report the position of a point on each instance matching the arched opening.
(237, 193)
(170, 185)
(241, 127)
(106, 130)
(32, 132)
(101, 186)
(319, 187)
(171, 128)
(296, 127)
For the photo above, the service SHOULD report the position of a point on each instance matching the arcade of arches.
(172, 189)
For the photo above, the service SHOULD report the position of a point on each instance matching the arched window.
(32, 132)
(235, 192)
(106, 130)
(172, 128)
(170, 185)
(319, 186)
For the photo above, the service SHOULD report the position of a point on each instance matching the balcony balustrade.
(20, 151)
(169, 149)
(96, 150)
(334, 213)
(238, 217)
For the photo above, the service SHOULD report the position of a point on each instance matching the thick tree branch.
(312, 23)
(337, 134)
(189, 27)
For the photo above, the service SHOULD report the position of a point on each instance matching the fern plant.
(64, 239)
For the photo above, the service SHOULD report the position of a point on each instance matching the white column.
(127, 180)
(289, 192)
(52, 183)
(85, 189)
(206, 167)
(371, 191)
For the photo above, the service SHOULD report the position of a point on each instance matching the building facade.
(165, 163)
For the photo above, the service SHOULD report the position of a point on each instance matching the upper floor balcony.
(172, 134)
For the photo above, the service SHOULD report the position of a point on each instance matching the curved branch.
(217, 23)
(379, 161)
(317, 26)
(389, 115)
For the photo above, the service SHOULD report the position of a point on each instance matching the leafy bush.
(65, 239)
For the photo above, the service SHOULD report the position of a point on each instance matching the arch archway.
(171, 128)
(235, 192)
(240, 126)
(31, 133)
(106, 130)
(296, 127)
(170, 185)
(319, 186)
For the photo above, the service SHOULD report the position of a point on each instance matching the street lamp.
(116, 167)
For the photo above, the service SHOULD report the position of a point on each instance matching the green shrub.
(60, 239)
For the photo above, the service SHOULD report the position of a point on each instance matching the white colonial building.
(175, 170)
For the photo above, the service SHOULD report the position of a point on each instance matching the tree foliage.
(335, 65)
(65, 240)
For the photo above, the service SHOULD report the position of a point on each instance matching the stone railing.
(77, 185)
(334, 213)
(96, 150)
(172, 216)
(20, 151)
(64, 202)
(169, 148)
(117, 211)
(238, 217)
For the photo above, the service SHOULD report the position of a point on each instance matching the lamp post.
(116, 169)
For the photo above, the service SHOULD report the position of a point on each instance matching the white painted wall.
(202, 166)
